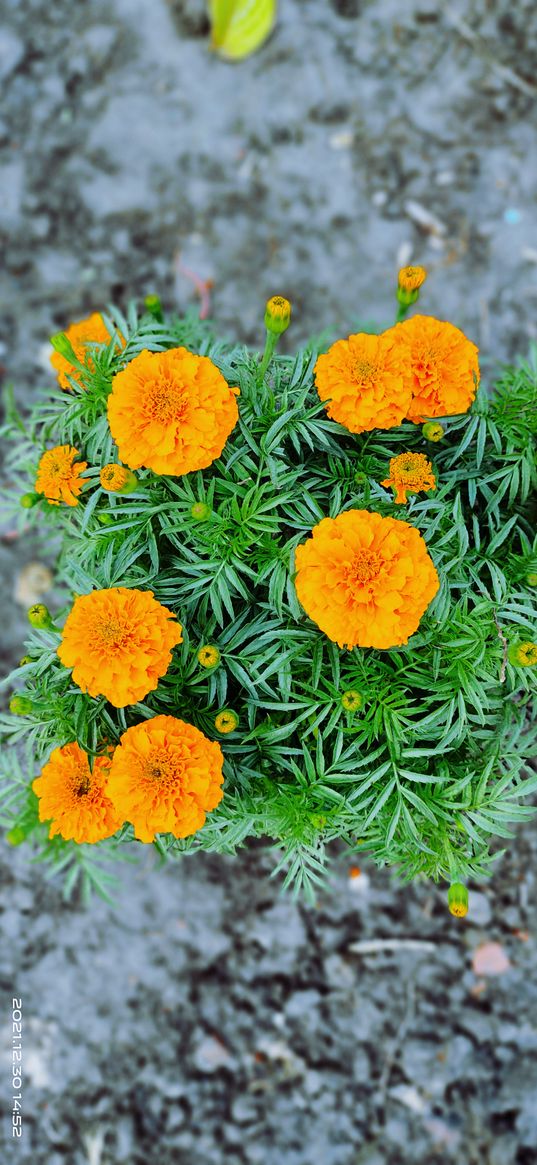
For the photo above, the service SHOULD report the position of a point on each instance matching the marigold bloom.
(458, 900)
(88, 331)
(59, 476)
(116, 478)
(226, 721)
(118, 643)
(365, 580)
(523, 654)
(166, 775)
(363, 381)
(208, 655)
(351, 701)
(411, 278)
(439, 366)
(171, 411)
(409, 473)
(74, 797)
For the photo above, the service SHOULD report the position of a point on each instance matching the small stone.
(244, 1110)
(210, 1055)
(490, 959)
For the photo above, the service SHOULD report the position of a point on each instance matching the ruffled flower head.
(74, 797)
(59, 475)
(410, 473)
(171, 411)
(365, 580)
(166, 775)
(118, 643)
(363, 382)
(439, 365)
(92, 330)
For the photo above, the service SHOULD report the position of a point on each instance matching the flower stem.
(270, 344)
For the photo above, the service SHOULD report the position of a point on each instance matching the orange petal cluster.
(92, 330)
(410, 473)
(362, 380)
(439, 366)
(58, 477)
(171, 411)
(74, 797)
(365, 580)
(165, 776)
(118, 643)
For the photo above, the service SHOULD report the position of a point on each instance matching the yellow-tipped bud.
(200, 511)
(208, 655)
(277, 315)
(351, 701)
(433, 431)
(458, 900)
(39, 617)
(531, 580)
(411, 278)
(523, 654)
(117, 479)
(25, 659)
(226, 721)
(153, 306)
(20, 705)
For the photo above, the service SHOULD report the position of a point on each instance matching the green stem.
(270, 344)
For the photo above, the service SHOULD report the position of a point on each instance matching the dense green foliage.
(430, 769)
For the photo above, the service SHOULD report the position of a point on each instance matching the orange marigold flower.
(92, 330)
(166, 775)
(118, 643)
(58, 477)
(439, 365)
(365, 580)
(410, 473)
(171, 411)
(74, 797)
(362, 380)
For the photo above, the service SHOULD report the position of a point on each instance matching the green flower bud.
(154, 307)
(63, 345)
(28, 500)
(20, 705)
(458, 899)
(523, 654)
(352, 700)
(433, 431)
(201, 511)
(531, 580)
(39, 616)
(25, 659)
(16, 835)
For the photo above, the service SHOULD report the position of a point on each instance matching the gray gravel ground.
(207, 1019)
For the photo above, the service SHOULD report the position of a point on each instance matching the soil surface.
(206, 1018)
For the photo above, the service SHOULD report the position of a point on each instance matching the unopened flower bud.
(39, 616)
(433, 431)
(117, 479)
(226, 721)
(154, 307)
(200, 511)
(523, 654)
(62, 344)
(28, 500)
(409, 281)
(277, 315)
(351, 701)
(20, 705)
(458, 900)
(16, 835)
(25, 659)
(208, 655)
(531, 580)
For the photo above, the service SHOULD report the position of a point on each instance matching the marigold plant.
(257, 641)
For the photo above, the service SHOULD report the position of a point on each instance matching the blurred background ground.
(208, 1019)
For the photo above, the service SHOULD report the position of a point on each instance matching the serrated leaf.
(239, 27)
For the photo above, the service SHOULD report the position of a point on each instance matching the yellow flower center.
(112, 632)
(364, 371)
(83, 787)
(166, 400)
(366, 565)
